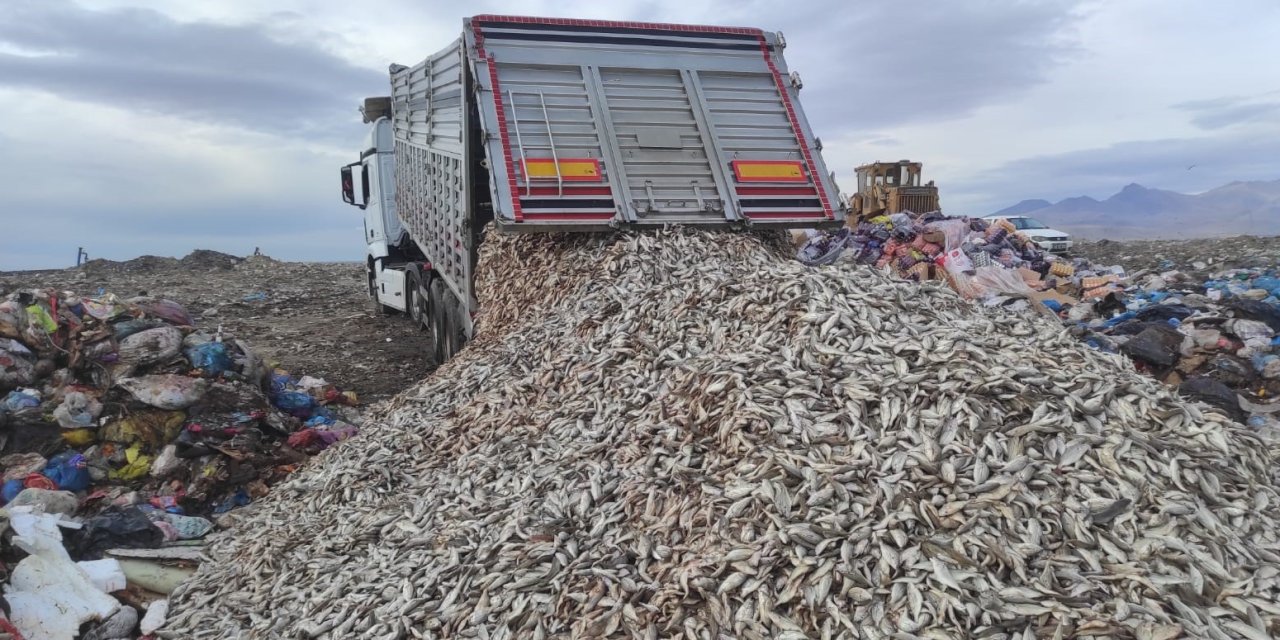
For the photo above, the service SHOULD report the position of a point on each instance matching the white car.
(1044, 237)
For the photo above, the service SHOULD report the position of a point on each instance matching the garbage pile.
(1214, 337)
(1217, 340)
(129, 428)
(698, 438)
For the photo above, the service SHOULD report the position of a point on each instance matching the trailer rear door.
(595, 124)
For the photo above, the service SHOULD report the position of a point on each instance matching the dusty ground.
(313, 318)
(1194, 257)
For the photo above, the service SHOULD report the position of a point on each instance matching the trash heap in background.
(978, 258)
(127, 427)
(1215, 339)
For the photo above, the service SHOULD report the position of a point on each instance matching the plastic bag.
(138, 464)
(15, 370)
(49, 501)
(24, 403)
(80, 437)
(153, 428)
(13, 319)
(16, 347)
(151, 346)
(11, 489)
(994, 280)
(294, 403)
(167, 462)
(39, 316)
(124, 329)
(188, 527)
(77, 411)
(104, 307)
(1154, 345)
(119, 625)
(169, 311)
(166, 391)
(124, 527)
(69, 471)
(16, 466)
(953, 232)
(210, 357)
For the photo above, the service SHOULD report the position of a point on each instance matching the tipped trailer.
(550, 124)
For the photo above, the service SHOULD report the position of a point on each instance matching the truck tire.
(447, 312)
(418, 301)
(437, 297)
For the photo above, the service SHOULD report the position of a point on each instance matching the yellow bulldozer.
(891, 187)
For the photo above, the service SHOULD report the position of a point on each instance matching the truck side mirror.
(348, 186)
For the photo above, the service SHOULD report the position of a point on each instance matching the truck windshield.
(1028, 223)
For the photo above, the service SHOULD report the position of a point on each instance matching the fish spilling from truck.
(556, 125)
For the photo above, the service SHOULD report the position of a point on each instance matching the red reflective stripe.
(572, 191)
(789, 215)
(608, 24)
(795, 126)
(569, 217)
(776, 191)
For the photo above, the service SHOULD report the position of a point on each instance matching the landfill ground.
(1192, 257)
(316, 319)
(312, 319)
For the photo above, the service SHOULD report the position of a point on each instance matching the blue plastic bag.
(239, 499)
(1267, 282)
(280, 382)
(17, 401)
(320, 420)
(69, 471)
(1128, 315)
(11, 490)
(210, 357)
(294, 403)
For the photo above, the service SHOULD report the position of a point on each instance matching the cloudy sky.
(159, 126)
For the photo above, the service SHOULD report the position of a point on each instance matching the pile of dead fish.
(700, 439)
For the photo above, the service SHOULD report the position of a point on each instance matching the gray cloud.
(143, 60)
(1224, 112)
(872, 65)
(1099, 173)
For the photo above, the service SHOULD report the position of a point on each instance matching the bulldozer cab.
(888, 174)
(892, 187)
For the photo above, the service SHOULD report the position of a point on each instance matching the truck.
(891, 187)
(559, 125)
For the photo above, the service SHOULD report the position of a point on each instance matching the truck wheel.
(437, 296)
(453, 338)
(418, 301)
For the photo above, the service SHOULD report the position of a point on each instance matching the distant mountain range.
(1138, 212)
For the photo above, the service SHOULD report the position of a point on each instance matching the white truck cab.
(369, 183)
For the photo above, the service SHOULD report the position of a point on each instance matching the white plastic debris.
(49, 595)
(155, 616)
(106, 574)
(166, 391)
